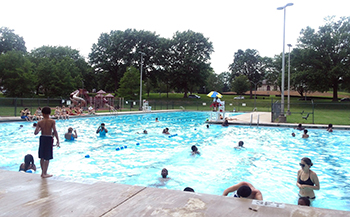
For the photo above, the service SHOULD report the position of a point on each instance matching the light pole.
(288, 112)
(282, 118)
(142, 54)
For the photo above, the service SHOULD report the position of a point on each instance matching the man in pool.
(162, 181)
(240, 144)
(70, 135)
(194, 150)
(47, 126)
(166, 131)
(305, 135)
(102, 130)
(244, 190)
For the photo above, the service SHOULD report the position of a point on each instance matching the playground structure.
(101, 100)
(77, 97)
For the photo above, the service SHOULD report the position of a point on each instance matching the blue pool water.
(270, 159)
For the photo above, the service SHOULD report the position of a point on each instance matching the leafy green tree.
(224, 79)
(213, 82)
(190, 55)
(240, 84)
(16, 74)
(9, 41)
(116, 51)
(130, 84)
(325, 55)
(250, 64)
(59, 70)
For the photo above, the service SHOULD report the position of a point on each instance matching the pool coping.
(25, 194)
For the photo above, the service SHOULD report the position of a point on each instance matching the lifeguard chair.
(215, 115)
(145, 106)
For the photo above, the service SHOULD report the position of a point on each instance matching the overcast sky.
(229, 25)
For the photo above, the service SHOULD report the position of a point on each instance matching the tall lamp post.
(282, 118)
(142, 54)
(288, 112)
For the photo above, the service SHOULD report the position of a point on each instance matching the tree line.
(319, 62)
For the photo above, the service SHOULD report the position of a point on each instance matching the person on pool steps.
(307, 180)
(47, 126)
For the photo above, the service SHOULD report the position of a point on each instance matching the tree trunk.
(185, 96)
(335, 92)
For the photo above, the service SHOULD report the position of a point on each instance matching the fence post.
(313, 112)
(15, 107)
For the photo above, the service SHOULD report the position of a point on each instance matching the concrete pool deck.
(25, 194)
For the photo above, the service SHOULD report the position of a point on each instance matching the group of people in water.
(307, 180)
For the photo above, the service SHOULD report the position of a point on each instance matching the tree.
(213, 82)
(9, 41)
(325, 58)
(116, 51)
(250, 64)
(130, 84)
(59, 70)
(190, 54)
(240, 84)
(16, 74)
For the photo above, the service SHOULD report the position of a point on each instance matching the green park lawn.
(324, 110)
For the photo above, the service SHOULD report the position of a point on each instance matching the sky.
(229, 25)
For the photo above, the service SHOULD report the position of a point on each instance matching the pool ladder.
(251, 120)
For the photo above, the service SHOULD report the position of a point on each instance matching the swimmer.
(207, 126)
(70, 135)
(102, 130)
(330, 128)
(225, 123)
(300, 127)
(194, 150)
(304, 201)
(164, 173)
(145, 132)
(166, 131)
(244, 190)
(293, 134)
(157, 120)
(240, 144)
(307, 180)
(305, 135)
(21, 126)
(28, 164)
(189, 189)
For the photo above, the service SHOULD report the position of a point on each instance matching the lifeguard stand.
(145, 106)
(216, 114)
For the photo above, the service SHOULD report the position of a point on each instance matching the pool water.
(270, 159)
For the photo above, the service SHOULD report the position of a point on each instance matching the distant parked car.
(346, 99)
(194, 96)
(239, 97)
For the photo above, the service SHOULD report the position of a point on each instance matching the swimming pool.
(270, 160)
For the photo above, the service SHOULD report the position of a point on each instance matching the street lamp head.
(281, 8)
(289, 45)
(142, 53)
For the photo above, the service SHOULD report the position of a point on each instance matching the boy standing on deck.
(47, 126)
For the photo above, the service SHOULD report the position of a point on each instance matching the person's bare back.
(47, 126)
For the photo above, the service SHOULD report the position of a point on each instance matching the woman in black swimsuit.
(307, 180)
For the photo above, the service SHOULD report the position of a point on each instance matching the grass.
(324, 110)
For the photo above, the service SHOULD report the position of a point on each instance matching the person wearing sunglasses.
(244, 190)
(307, 180)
